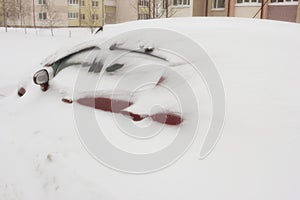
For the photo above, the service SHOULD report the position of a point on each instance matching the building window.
(43, 16)
(284, 1)
(82, 16)
(144, 3)
(181, 2)
(82, 3)
(95, 17)
(218, 4)
(42, 2)
(95, 3)
(73, 2)
(73, 15)
(248, 1)
(144, 16)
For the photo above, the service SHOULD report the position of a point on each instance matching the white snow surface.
(256, 158)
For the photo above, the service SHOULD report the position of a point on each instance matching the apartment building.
(150, 9)
(95, 13)
(181, 8)
(283, 10)
(49, 13)
(31, 13)
(91, 13)
(56, 13)
(85, 13)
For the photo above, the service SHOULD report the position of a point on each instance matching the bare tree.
(33, 15)
(162, 8)
(90, 16)
(23, 9)
(10, 8)
(4, 13)
(51, 18)
(15, 13)
(155, 9)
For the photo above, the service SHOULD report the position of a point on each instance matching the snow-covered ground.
(256, 158)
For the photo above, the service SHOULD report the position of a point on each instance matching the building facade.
(283, 10)
(49, 13)
(298, 14)
(152, 9)
(31, 13)
(96, 13)
(57, 13)
(126, 11)
(110, 11)
(87, 13)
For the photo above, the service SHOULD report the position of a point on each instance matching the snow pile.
(257, 157)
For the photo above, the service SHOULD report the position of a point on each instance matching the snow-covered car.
(138, 67)
(134, 74)
(199, 108)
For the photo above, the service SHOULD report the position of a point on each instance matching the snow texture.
(256, 158)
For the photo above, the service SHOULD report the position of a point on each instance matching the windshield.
(94, 59)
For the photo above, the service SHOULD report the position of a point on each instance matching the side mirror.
(41, 77)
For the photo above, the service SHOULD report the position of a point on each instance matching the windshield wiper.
(147, 51)
(96, 66)
(114, 67)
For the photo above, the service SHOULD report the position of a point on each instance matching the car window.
(84, 58)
